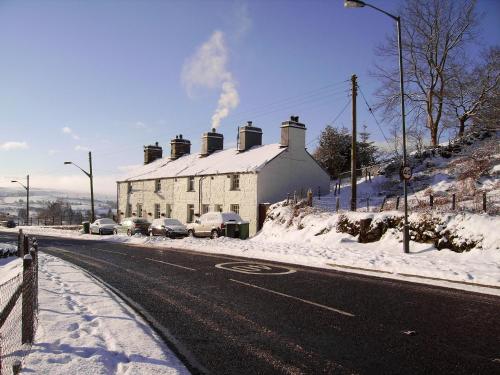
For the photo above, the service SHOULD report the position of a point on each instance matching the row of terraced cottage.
(244, 179)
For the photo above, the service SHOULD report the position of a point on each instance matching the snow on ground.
(85, 329)
(11, 265)
(300, 244)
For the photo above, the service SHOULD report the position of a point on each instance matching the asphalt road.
(280, 319)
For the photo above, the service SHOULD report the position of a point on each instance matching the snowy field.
(300, 244)
(85, 329)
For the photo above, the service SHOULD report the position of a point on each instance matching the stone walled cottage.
(244, 179)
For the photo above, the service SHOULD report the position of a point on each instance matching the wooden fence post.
(382, 206)
(397, 203)
(484, 201)
(453, 202)
(20, 242)
(337, 204)
(431, 200)
(34, 255)
(368, 204)
(27, 324)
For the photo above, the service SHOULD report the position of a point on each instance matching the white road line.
(170, 264)
(114, 252)
(296, 298)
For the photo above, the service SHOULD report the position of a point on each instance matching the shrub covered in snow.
(459, 233)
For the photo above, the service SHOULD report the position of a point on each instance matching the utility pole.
(28, 199)
(353, 146)
(91, 187)
(89, 175)
(27, 188)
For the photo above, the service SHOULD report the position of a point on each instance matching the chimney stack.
(179, 147)
(293, 134)
(211, 142)
(152, 152)
(249, 137)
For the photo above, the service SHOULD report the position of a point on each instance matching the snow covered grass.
(85, 329)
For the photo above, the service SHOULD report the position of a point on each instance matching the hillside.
(468, 167)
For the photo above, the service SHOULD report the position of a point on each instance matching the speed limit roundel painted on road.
(255, 268)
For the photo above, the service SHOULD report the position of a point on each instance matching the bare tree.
(434, 32)
(472, 89)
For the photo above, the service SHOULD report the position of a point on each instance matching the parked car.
(132, 225)
(168, 227)
(8, 223)
(212, 224)
(102, 226)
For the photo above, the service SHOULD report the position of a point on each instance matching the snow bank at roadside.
(85, 329)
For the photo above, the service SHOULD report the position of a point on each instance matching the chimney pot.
(180, 136)
(211, 142)
(249, 136)
(152, 152)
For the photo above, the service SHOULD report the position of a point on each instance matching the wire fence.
(339, 199)
(19, 309)
(75, 219)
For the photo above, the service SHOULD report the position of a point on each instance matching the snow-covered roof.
(219, 162)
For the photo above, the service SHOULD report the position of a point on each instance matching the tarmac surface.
(229, 315)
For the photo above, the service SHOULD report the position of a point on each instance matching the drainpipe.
(200, 193)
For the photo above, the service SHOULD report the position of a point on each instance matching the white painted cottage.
(243, 179)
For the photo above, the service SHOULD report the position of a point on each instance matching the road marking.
(296, 298)
(255, 268)
(170, 264)
(113, 252)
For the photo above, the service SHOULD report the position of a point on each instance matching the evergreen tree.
(334, 150)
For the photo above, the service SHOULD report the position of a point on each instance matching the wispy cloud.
(53, 152)
(81, 148)
(128, 168)
(13, 145)
(241, 18)
(207, 68)
(70, 132)
(140, 125)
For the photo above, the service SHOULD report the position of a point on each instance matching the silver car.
(102, 226)
(168, 227)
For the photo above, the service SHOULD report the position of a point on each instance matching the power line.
(333, 121)
(373, 115)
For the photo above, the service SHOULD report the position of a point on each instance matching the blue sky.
(112, 76)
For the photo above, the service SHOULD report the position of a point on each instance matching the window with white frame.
(157, 185)
(235, 182)
(235, 208)
(168, 210)
(204, 208)
(128, 211)
(157, 210)
(139, 209)
(190, 185)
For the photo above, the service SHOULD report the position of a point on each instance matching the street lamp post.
(27, 187)
(89, 174)
(360, 4)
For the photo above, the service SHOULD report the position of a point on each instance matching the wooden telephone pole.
(353, 146)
